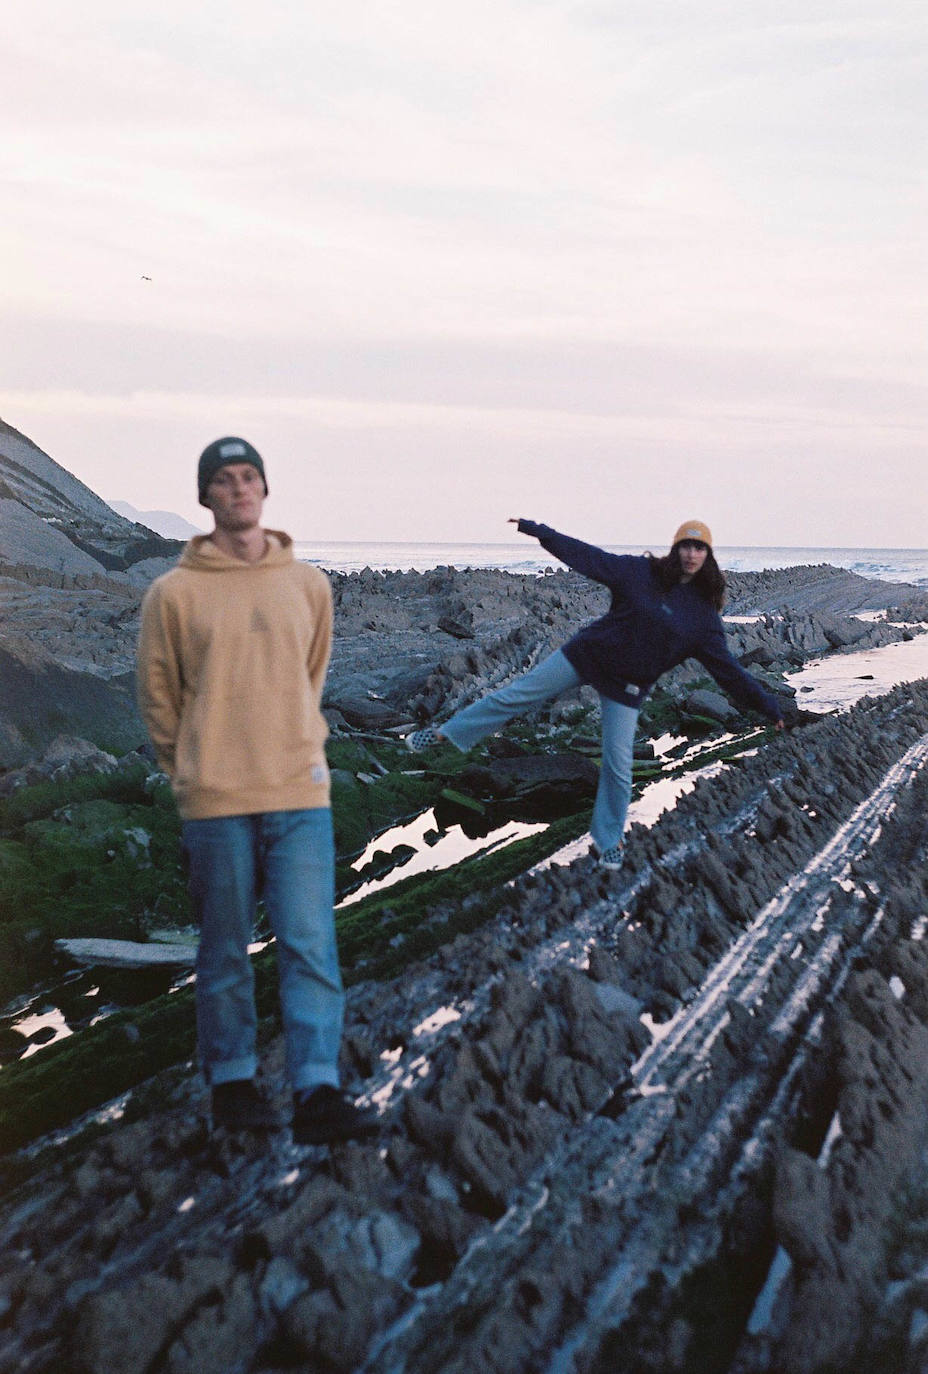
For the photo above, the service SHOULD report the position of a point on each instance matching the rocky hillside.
(49, 519)
(71, 574)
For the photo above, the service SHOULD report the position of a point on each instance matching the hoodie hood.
(203, 555)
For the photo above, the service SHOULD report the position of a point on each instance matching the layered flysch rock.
(28, 538)
(50, 519)
(654, 1120)
(71, 571)
(649, 1121)
(814, 587)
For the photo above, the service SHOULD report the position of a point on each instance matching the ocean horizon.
(527, 556)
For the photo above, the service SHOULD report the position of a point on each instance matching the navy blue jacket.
(646, 630)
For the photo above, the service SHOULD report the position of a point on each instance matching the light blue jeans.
(548, 679)
(288, 858)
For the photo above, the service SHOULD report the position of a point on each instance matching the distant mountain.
(164, 522)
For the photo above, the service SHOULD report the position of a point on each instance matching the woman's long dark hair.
(709, 581)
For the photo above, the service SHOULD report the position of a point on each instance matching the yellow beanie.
(694, 529)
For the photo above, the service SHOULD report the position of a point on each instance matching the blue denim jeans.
(554, 675)
(288, 858)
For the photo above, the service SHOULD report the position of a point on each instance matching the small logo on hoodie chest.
(258, 622)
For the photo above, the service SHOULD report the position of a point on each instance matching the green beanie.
(219, 454)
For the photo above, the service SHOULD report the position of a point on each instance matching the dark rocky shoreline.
(408, 645)
(669, 1119)
(534, 1144)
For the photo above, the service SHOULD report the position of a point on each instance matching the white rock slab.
(127, 953)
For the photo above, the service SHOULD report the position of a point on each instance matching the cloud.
(404, 231)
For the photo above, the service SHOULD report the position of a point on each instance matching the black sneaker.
(325, 1114)
(239, 1106)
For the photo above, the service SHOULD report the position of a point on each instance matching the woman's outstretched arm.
(715, 655)
(588, 559)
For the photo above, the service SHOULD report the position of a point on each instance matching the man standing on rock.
(233, 653)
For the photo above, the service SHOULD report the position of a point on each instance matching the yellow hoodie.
(232, 660)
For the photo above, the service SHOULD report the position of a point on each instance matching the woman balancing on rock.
(663, 611)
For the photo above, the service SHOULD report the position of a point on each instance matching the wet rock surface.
(605, 1114)
(673, 1118)
(72, 573)
(813, 588)
(425, 667)
(67, 654)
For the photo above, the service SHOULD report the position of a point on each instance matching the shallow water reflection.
(841, 680)
(52, 1021)
(656, 798)
(451, 846)
(834, 683)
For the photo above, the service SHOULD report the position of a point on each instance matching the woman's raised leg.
(548, 679)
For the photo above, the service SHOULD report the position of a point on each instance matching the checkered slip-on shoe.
(611, 857)
(420, 740)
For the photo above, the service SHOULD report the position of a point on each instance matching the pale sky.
(607, 265)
